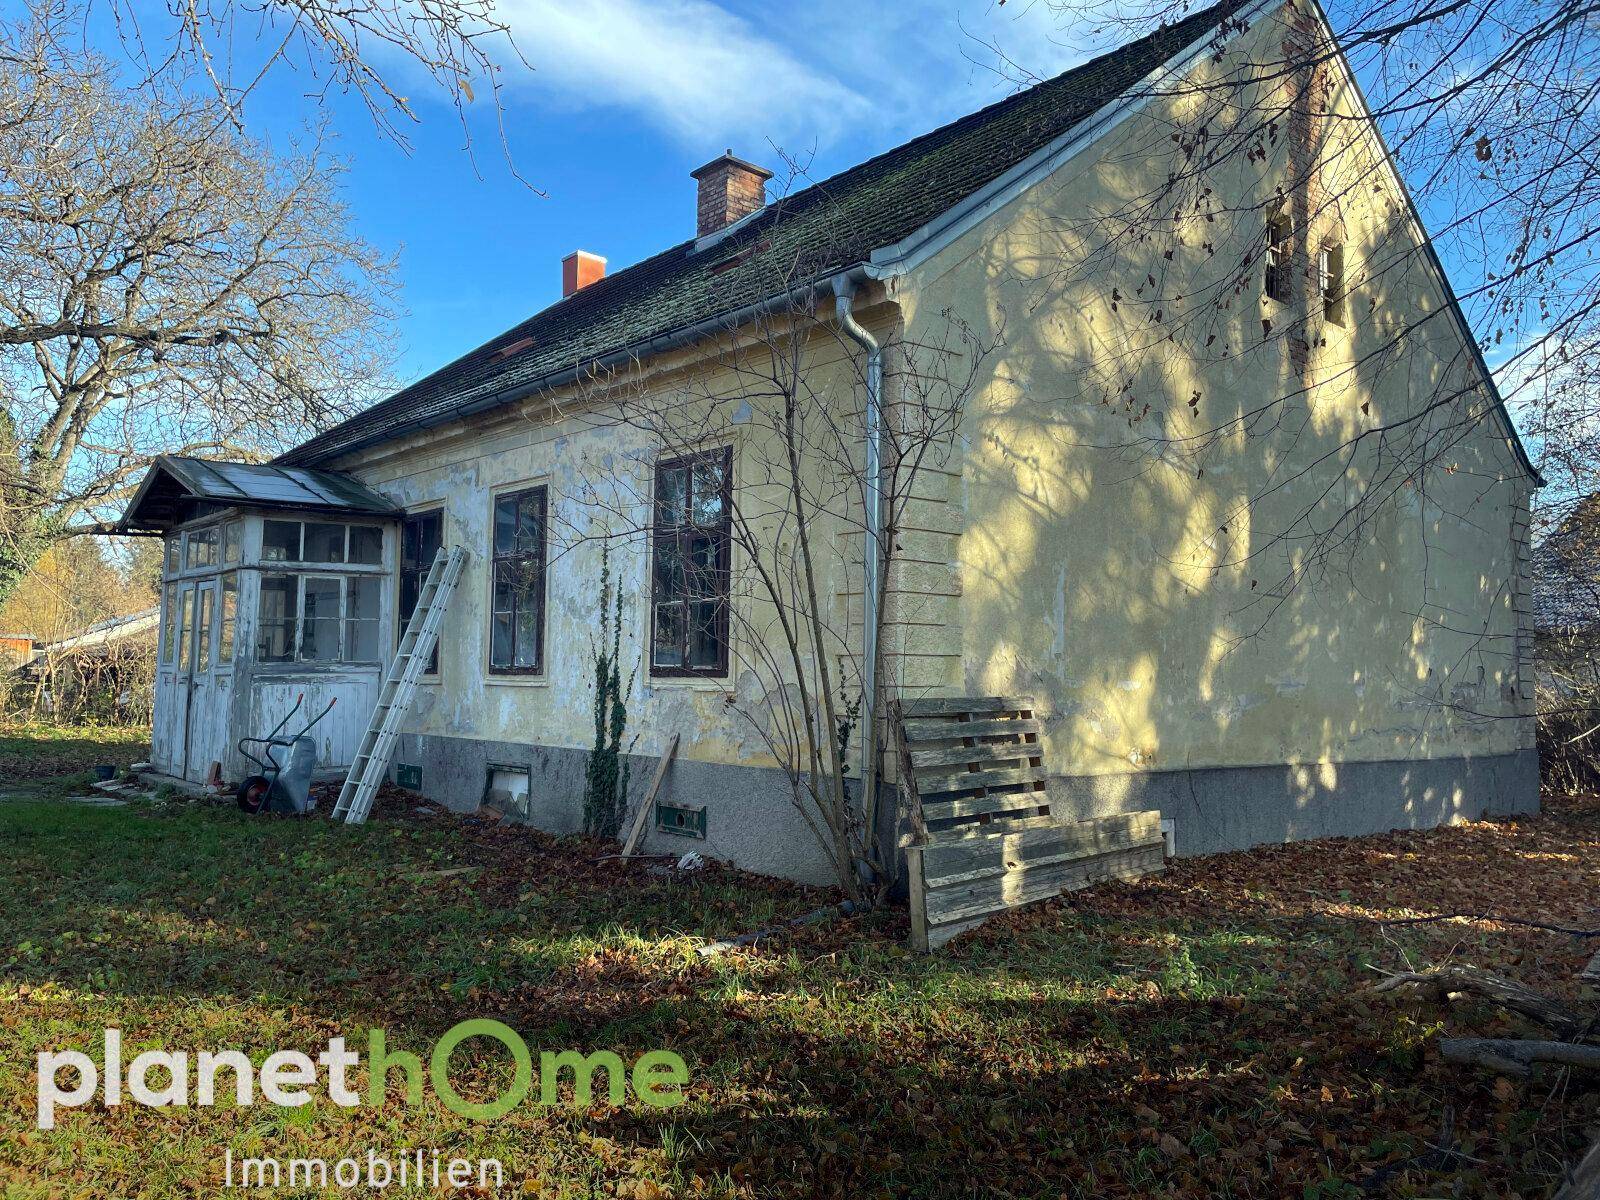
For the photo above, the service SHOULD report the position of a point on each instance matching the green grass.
(34, 754)
(1201, 1034)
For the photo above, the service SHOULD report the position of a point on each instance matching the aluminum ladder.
(417, 643)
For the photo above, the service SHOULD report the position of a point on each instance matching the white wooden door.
(172, 717)
(207, 707)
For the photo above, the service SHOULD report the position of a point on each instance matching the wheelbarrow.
(281, 787)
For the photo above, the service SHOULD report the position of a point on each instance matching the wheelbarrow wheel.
(252, 793)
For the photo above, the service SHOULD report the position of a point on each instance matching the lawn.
(46, 752)
(1207, 1032)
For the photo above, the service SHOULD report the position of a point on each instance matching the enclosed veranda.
(278, 585)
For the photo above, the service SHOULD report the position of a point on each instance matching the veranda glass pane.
(186, 630)
(361, 620)
(280, 541)
(225, 624)
(366, 545)
(169, 617)
(202, 636)
(276, 616)
(324, 542)
(231, 535)
(202, 548)
(319, 625)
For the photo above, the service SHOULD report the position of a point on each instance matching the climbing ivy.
(605, 784)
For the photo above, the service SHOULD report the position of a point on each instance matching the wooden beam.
(649, 802)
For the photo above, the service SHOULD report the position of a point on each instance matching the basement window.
(1280, 243)
(690, 555)
(1330, 268)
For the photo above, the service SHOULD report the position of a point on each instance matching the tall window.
(516, 639)
(227, 617)
(169, 626)
(690, 565)
(277, 617)
(420, 539)
(1331, 270)
(1280, 242)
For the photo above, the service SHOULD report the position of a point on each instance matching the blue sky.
(620, 101)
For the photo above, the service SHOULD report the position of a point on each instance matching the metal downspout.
(844, 290)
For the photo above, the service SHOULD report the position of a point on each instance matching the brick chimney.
(730, 188)
(579, 269)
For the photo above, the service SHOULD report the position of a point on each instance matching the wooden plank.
(649, 800)
(931, 784)
(984, 853)
(990, 751)
(910, 799)
(936, 729)
(918, 895)
(1026, 886)
(978, 806)
(956, 834)
(931, 706)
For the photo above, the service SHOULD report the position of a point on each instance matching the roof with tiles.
(826, 228)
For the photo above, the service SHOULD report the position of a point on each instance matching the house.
(100, 673)
(1165, 618)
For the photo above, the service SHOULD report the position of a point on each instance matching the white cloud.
(700, 72)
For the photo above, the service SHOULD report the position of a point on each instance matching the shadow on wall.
(1182, 539)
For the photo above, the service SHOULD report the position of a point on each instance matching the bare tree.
(367, 48)
(165, 286)
(773, 558)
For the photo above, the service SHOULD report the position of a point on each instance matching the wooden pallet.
(983, 838)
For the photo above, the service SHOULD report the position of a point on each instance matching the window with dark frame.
(516, 631)
(690, 565)
(421, 535)
(1331, 264)
(1280, 244)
